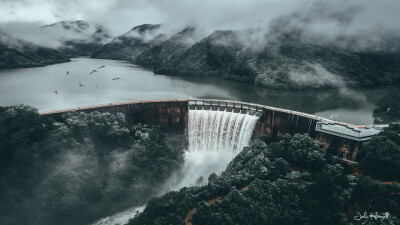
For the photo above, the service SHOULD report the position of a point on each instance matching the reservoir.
(122, 82)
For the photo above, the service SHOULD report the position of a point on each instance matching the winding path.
(212, 201)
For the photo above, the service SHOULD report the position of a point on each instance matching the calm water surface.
(36, 86)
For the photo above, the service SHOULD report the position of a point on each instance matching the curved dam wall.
(170, 115)
(273, 123)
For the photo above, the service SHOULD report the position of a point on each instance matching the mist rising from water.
(214, 138)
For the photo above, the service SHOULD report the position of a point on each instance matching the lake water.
(37, 86)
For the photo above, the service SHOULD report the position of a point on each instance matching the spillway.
(219, 130)
(214, 139)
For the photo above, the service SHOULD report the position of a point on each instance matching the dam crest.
(230, 125)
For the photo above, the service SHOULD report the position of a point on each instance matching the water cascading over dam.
(214, 139)
(219, 130)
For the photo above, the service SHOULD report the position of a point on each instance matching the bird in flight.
(97, 69)
(67, 72)
(56, 92)
(81, 85)
(118, 78)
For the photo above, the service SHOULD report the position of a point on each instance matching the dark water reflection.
(36, 86)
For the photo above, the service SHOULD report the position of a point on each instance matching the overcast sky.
(370, 18)
(120, 15)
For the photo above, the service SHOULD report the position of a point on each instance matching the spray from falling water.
(219, 130)
(214, 138)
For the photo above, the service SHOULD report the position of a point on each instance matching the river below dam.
(122, 82)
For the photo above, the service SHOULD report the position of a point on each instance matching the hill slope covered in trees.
(290, 182)
(129, 45)
(279, 59)
(17, 53)
(75, 38)
(79, 169)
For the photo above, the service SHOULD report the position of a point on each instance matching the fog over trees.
(281, 45)
(79, 169)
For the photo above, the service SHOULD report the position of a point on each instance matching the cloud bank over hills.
(366, 21)
(281, 44)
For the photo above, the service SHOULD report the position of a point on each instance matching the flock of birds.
(93, 71)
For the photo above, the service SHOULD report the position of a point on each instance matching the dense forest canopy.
(282, 59)
(290, 182)
(79, 169)
(380, 156)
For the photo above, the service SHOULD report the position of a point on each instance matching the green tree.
(380, 156)
(300, 150)
(77, 169)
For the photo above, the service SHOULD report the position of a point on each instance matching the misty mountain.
(16, 53)
(286, 62)
(165, 51)
(76, 38)
(219, 54)
(132, 43)
(280, 58)
(290, 62)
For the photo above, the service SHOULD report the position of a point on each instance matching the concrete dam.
(215, 124)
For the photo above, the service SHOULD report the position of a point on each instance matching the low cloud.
(356, 24)
(55, 35)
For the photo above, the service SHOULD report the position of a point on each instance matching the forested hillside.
(290, 182)
(132, 43)
(79, 169)
(24, 54)
(75, 38)
(279, 59)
